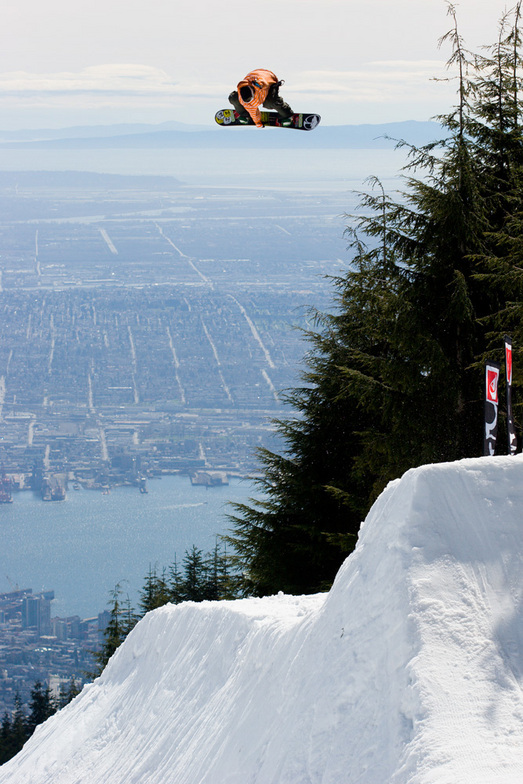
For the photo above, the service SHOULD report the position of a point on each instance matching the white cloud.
(378, 82)
(373, 91)
(125, 79)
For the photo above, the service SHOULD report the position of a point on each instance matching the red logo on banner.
(508, 359)
(492, 384)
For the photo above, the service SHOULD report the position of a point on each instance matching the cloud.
(378, 82)
(392, 87)
(124, 81)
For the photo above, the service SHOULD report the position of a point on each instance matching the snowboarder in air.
(260, 88)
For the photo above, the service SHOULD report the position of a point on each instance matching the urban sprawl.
(146, 328)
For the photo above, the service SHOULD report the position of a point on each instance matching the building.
(36, 612)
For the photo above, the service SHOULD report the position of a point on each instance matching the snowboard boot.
(275, 101)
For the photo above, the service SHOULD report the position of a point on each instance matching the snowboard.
(301, 122)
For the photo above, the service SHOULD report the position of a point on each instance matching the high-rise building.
(36, 612)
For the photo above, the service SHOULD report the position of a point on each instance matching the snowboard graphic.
(301, 122)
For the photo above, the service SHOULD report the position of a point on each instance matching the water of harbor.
(83, 546)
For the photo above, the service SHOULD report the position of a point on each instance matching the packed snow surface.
(409, 670)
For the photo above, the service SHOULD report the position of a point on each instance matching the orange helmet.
(252, 91)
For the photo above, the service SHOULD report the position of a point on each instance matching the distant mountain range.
(93, 131)
(178, 135)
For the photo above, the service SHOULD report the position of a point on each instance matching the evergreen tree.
(155, 592)
(5, 739)
(68, 693)
(41, 706)
(394, 377)
(499, 109)
(18, 730)
(203, 577)
(222, 582)
(195, 582)
(122, 619)
(176, 583)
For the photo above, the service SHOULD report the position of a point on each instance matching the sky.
(86, 62)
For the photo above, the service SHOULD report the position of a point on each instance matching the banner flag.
(492, 371)
(512, 441)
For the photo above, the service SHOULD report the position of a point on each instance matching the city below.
(148, 332)
(37, 647)
(147, 329)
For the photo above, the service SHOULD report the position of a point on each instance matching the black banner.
(492, 370)
(512, 441)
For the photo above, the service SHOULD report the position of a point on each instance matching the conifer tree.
(223, 583)
(394, 376)
(41, 706)
(176, 583)
(155, 592)
(121, 621)
(18, 731)
(6, 751)
(212, 575)
(195, 582)
(203, 576)
(17, 728)
(68, 693)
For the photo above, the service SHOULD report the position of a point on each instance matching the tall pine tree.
(394, 374)
(122, 619)
(41, 706)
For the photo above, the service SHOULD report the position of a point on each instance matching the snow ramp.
(409, 671)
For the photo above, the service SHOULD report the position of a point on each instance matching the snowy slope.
(409, 671)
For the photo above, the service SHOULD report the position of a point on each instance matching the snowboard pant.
(273, 101)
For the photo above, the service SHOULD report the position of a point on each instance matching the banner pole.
(492, 371)
(511, 432)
